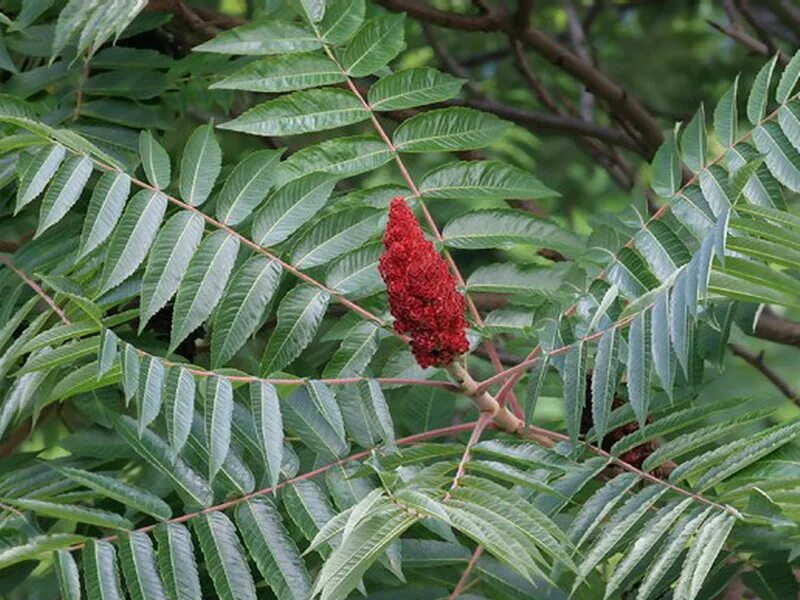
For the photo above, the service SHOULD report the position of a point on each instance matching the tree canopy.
(399, 299)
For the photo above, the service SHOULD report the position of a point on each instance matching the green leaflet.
(334, 235)
(41, 169)
(92, 23)
(410, 88)
(179, 391)
(148, 397)
(604, 379)
(707, 544)
(301, 112)
(200, 165)
(343, 157)
(176, 562)
(290, 206)
(354, 354)
(312, 413)
(342, 19)
(639, 366)
(36, 546)
(188, 483)
(376, 43)
(167, 263)
(482, 179)
(666, 169)
(759, 93)
(138, 561)
(64, 191)
(218, 414)
(448, 130)
(132, 238)
(266, 412)
(355, 274)
(308, 507)
(499, 228)
(203, 285)
(71, 512)
(299, 316)
(69, 583)
(693, 142)
(366, 543)
(313, 10)
(155, 161)
(247, 186)
(574, 384)
(105, 208)
(622, 522)
(271, 37)
(286, 73)
(225, 558)
(653, 531)
(788, 79)
(780, 155)
(726, 117)
(243, 306)
(100, 571)
(274, 551)
(134, 497)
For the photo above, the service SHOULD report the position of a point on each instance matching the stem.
(473, 310)
(474, 437)
(757, 361)
(560, 437)
(445, 385)
(661, 212)
(433, 433)
(36, 288)
(462, 582)
(254, 246)
(519, 369)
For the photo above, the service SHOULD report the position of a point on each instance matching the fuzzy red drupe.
(422, 292)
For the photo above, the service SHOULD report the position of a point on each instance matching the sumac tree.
(207, 391)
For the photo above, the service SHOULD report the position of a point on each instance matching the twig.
(757, 361)
(79, 94)
(581, 45)
(462, 581)
(474, 437)
(549, 123)
(450, 62)
(748, 41)
(752, 19)
(36, 288)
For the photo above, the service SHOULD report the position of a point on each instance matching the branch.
(757, 361)
(748, 41)
(548, 123)
(442, 18)
(595, 81)
(775, 328)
